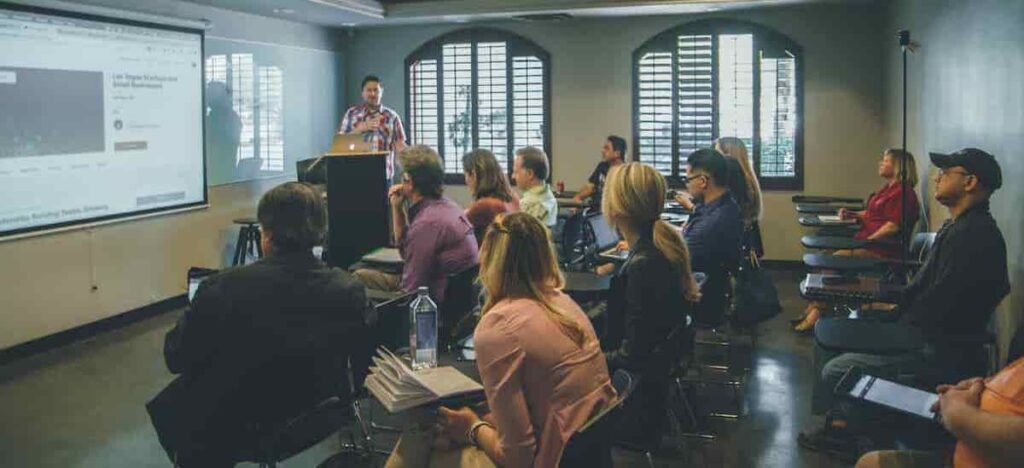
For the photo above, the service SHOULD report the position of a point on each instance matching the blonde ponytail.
(668, 240)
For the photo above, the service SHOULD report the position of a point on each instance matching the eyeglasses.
(942, 173)
(692, 178)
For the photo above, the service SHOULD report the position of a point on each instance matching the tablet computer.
(887, 394)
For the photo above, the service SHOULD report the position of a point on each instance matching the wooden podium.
(357, 205)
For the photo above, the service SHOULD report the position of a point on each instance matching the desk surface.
(811, 208)
(584, 281)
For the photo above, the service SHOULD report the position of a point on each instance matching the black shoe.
(839, 443)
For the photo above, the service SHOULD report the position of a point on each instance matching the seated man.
(530, 171)
(262, 342)
(950, 299)
(613, 153)
(985, 416)
(433, 235)
(714, 232)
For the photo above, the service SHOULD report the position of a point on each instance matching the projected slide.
(98, 120)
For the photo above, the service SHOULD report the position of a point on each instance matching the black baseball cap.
(979, 163)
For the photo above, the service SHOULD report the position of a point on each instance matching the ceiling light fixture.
(284, 11)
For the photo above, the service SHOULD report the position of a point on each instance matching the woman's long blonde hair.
(734, 148)
(517, 262)
(634, 197)
(490, 178)
(895, 154)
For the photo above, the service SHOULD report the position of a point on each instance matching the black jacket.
(257, 345)
(963, 279)
(645, 305)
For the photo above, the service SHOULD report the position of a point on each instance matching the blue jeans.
(832, 366)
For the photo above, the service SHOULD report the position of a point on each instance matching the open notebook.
(835, 219)
(399, 388)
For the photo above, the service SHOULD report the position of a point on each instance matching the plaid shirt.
(385, 138)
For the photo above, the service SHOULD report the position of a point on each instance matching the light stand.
(905, 46)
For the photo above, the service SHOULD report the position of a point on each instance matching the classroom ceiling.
(360, 13)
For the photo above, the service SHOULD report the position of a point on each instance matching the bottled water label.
(423, 331)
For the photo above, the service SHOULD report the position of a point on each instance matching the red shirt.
(884, 207)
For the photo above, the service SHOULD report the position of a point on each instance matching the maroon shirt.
(884, 207)
(438, 242)
(483, 211)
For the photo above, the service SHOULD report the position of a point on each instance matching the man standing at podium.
(379, 125)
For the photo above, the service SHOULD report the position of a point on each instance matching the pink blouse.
(540, 386)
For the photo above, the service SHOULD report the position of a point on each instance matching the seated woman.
(879, 221)
(651, 295)
(491, 191)
(745, 189)
(538, 356)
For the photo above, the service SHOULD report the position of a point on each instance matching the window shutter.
(244, 94)
(492, 102)
(654, 110)
(423, 102)
(778, 117)
(458, 105)
(696, 99)
(217, 68)
(527, 102)
(478, 88)
(271, 126)
(736, 87)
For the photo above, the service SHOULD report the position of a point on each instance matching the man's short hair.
(711, 162)
(368, 79)
(535, 160)
(618, 144)
(423, 165)
(293, 214)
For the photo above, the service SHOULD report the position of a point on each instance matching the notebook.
(835, 219)
(398, 387)
(384, 256)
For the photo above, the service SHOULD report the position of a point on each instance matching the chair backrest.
(292, 436)
(307, 172)
(921, 245)
(459, 299)
(1016, 350)
(392, 327)
(590, 445)
(572, 238)
(599, 233)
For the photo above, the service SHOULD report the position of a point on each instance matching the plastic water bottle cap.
(422, 290)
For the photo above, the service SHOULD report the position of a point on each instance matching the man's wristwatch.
(474, 429)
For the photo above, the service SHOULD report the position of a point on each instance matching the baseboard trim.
(79, 333)
(786, 265)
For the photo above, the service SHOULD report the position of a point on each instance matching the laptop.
(832, 287)
(196, 276)
(350, 143)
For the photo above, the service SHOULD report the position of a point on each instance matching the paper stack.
(399, 388)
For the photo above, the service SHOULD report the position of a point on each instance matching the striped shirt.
(385, 137)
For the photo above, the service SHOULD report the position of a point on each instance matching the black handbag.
(756, 298)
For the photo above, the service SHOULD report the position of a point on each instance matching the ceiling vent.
(544, 17)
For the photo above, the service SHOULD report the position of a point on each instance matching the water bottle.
(423, 330)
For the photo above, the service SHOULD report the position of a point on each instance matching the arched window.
(478, 88)
(715, 78)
